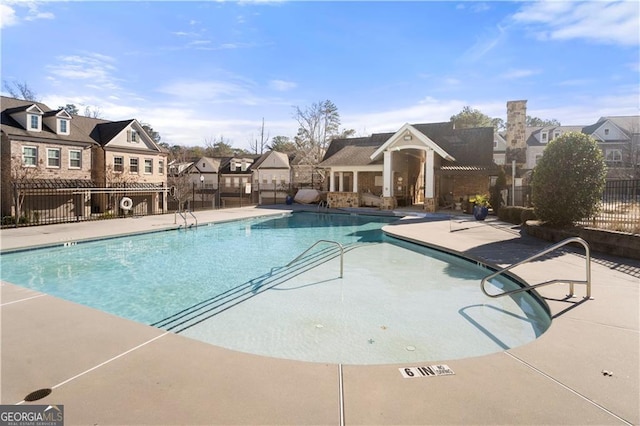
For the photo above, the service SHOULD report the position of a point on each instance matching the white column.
(429, 181)
(355, 181)
(332, 181)
(387, 185)
(341, 182)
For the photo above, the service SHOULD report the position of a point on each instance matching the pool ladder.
(315, 244)
(562, 243)
(184, 218)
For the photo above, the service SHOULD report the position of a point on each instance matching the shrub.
(528, 214)
(568, 180)
(496, 200)
(514, 214)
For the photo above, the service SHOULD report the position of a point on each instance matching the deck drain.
(411, 348)
(38, 394)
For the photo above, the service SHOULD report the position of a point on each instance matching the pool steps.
(208, 308)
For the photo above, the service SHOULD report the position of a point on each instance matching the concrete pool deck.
(111, 371)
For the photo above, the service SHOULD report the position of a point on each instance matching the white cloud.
(518, 73)
(95, 68)
(10, 12)
(282, 85)
(7, 16)
(607, 22)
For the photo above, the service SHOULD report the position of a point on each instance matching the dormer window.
(556, 134)
(233, 166)
(34, 122)
(63, 126)
(543, 137)
(244, 166)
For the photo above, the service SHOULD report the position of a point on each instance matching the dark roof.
(473, 147)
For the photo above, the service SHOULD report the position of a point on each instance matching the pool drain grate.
(38, 394)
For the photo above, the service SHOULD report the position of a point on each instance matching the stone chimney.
(516, 127)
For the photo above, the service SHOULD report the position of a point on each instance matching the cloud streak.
(610, 22)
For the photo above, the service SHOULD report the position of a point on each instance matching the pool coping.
(156, 378)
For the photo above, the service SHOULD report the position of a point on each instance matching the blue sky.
(196, 71)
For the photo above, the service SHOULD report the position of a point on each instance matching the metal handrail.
(315, 244)
(587, 282)
(184, 217)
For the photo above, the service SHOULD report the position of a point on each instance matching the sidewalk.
(110, 371)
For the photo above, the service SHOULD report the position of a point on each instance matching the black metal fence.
(619, 208)
(33, 206)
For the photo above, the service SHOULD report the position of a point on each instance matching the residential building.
(57, 165)
(271, 175)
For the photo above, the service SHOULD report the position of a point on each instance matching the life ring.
(126, 203)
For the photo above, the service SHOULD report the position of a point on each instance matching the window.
(75, 159)
(160, 167)
(606, 132)
(34, 122)
(118, 164)
(543, 136)
(236, 182)
(63, 126)
(538, 157)
(613, 157)
(556, 134)
(227, 182)
(53, 157)
(133, 165)
(148, 166)
(233, 166)
(29, 156)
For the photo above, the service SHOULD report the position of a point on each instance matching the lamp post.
(202, 191)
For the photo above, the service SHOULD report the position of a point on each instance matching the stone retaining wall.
(610, 242)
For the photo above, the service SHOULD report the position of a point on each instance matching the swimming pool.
(226, 284)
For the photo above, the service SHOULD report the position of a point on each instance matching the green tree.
(282, 144)
(539, 122)
(496, 200)
(152, 133)
(70, 108)
(470, 118)
(569, 179)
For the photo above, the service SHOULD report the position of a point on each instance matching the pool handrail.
(564, 242)
(315, 244)
(184, 217)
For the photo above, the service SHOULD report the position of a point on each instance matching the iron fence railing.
(619, 207)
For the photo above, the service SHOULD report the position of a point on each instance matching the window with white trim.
(556, 134)
(543, 137)
(133, 165)
(613, 157)
(606, 132)
(64, 126)
(30, 156)
(75, 159)
(227, 182)
(161, 167)
(34, 122)
(118, 164)
(148, 166)
(53, 157)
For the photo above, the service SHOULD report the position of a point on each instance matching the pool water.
(227, 284)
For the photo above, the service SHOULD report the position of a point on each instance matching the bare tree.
(259, 146)
(117, 179)
(21, 175)
(20, 91)
(318, 124)
(92, 112)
